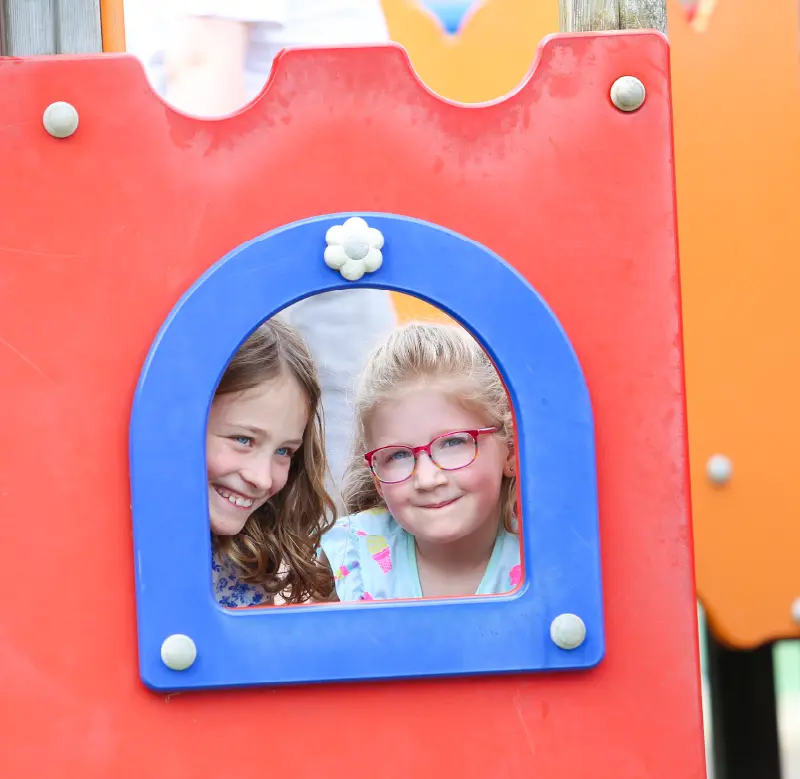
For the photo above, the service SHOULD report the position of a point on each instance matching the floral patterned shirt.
(230, 591)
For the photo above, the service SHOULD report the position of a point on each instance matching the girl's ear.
(510, 465)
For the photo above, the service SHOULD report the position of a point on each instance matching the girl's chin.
(226, 526)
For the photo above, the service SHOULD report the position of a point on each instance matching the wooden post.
(35, 27)
(79, 27)
(588, 15)
(643, 14)
(599, 15)
(2, 29)
(29, 28)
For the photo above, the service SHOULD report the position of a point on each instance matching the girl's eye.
(455, 440)
(397, 454)
(243, 440)
(284, 451)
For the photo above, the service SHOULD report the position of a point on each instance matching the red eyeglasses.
(449, 452)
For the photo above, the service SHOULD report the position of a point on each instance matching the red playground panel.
(102, 232)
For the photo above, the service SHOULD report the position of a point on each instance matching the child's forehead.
(452, 385)
(273, 396)
(424, 411)
(462, 387)
(283, 383)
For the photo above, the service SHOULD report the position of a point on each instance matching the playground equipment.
(736, 173)
(564, 193)
(737, 244)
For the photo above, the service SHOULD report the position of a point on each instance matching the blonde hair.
(277, 546)
(443, 356)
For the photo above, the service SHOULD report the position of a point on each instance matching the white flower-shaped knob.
(354, 248)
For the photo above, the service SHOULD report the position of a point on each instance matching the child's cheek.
(221, 461)
(393, 497)
(280, 477)
(479, 480)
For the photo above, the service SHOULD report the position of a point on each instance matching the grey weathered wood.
(34, 27)
(30, 27)
(599, 15)
(643, 14)
(2, 29)
(78, 30)
(588, 15)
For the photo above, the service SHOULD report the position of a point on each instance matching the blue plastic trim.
(497, 634)
(450, 13)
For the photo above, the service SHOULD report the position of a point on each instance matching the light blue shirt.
(373, 558)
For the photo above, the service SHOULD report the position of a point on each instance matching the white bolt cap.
(178, 652)
(719, 469)
(568, 631)
(60, 119)
(796, 611)
(627, 93)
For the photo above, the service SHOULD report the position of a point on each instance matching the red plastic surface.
(102, 232)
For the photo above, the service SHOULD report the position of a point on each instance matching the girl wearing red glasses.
(430, 489)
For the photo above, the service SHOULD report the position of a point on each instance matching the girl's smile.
(238, 500)
(442, 504)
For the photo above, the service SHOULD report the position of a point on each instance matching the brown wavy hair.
(277, 546)
(442, 356)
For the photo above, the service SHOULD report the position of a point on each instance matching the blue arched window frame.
(377, 640)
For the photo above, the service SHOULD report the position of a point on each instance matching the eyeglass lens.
(449, 452)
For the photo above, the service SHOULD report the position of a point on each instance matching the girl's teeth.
(237, 501)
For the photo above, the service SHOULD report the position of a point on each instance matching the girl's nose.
(427, 474)
(259, 475)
